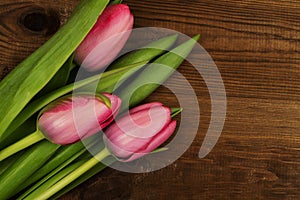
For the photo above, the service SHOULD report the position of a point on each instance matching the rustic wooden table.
(256, 46)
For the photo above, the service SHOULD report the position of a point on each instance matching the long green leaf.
(24, 167)
(147, 52)
(154, 74)
(58, 159)
(21, 131)
(59, 79)
(95, 170)
(30, 76)
(52, 174)
(7, 163)
(109, 80)
(52, 180)
(59, 162)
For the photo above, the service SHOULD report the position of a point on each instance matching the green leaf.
(108, 81)
(63, 154)
(154, 74)
(88, 164)
(95, 170)
(52, 180)
(24, 167)
(147, 52)
(60, 78)
(52, 173)
(30, 76)
(7, 163)
(22, 131)
(62, 157)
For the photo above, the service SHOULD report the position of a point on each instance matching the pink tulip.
(106, 39)
(141, 131)
(70, 119)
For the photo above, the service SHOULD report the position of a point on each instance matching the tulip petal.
(141, 131)
(141, 125)
(104, 115)
(115, 107)
(144, 106)
(156, 142)
(104, 52)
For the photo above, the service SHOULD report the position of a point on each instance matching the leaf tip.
(196, 37)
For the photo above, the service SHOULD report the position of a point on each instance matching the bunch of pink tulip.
(132, 136)
(68, 119)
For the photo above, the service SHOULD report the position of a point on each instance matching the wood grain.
(256, 46)
(17, 40)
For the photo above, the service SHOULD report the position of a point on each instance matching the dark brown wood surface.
(256, 46)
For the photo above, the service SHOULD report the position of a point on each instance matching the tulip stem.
(74, 175)
(21, 144)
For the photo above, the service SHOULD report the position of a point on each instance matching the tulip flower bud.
(70, 119)
(106, 39)
(141, 131)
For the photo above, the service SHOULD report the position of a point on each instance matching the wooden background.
(256, 46)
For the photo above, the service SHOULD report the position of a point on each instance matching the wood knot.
(40, 21)
(257, 175)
